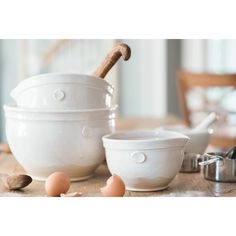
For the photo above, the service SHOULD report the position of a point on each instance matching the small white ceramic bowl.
(63, 91)
(198, 140)
(70, 141)
(145, 160)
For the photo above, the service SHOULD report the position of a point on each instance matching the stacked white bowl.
(58, 122)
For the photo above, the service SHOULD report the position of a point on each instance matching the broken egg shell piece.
(75, 194)
(115, 187)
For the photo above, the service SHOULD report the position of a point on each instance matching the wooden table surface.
(183, 185)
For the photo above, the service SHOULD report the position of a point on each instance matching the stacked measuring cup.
(59, 119)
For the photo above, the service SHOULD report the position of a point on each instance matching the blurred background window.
(217, 57)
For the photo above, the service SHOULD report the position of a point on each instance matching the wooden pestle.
(111, 59)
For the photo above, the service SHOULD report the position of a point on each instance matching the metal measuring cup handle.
(213, 159)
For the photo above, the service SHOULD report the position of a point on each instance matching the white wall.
(211, 55)
(143, 79)
(193, 55)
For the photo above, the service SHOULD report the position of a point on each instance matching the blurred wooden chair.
(225, 135)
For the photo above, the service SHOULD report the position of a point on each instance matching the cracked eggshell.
(75, 194)
(115, 187)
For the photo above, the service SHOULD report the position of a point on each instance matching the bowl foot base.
(74, 179)
(146, 190)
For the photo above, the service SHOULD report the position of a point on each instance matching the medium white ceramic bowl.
(63, 91)
(145, 160)
(70, 141)
(198, 140)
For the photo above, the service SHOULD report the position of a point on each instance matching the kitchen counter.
(184, 185)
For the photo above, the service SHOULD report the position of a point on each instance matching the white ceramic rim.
(14, 112)
(187, 131)
(15, 108)
(38, 80)
(192, 133)
(175, 139)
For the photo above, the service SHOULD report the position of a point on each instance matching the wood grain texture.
(111, 59)
(184, 185)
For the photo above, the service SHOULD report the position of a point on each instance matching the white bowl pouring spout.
(145, 160)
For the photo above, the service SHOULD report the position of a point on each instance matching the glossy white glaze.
(145, 160)
(199, 139)
(63, 91)
(70, 141)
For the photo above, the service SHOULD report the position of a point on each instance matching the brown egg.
(115, 187)
(57, 183)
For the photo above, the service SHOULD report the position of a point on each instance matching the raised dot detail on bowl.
(87, 132)
(138, 157)
(59, 95)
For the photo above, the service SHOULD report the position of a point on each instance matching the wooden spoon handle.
(111, 59)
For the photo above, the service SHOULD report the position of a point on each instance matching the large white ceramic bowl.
(145, 160)
(63, 91)
(70, 141)
(199, 140)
